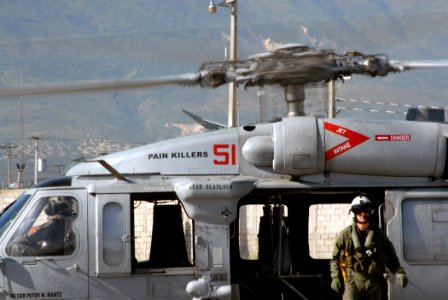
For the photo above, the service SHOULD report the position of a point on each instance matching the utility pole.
(232, 58)
(9, 147)
(36, 140)
(232, 5)
(21, 165)
(331, 99)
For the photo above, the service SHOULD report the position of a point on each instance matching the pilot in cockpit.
(50, 237)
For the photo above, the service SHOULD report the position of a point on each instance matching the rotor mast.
(295, 99)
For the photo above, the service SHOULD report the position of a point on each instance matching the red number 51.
(225, 153)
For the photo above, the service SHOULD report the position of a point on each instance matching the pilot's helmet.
(57, 208)
(361, 203)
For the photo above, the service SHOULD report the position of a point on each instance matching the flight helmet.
(360, 203)
(57, 208)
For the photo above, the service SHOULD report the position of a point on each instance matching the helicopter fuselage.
(197, 195)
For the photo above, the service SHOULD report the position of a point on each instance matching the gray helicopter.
(171, 220)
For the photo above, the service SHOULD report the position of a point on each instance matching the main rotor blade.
(285, 66)
(403, 65)
(98, 86)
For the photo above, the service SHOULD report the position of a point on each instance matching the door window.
(163, 234)
(113, 232)
(425, 227)
(47, 229)
(259, 227)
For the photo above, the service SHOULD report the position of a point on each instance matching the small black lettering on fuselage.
(188, 154)
(36, 295)
(157, 155)
(192, 154)
(218, 186)
(211, 186)
(196, 186)
(54, 294)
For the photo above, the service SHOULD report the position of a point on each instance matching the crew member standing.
(360, 256)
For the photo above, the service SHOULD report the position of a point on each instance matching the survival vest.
(367, 258)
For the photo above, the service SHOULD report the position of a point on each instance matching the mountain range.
(50, 41)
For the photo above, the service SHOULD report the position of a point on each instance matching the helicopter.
(200, 191)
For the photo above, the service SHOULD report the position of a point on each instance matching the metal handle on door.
(74, 267)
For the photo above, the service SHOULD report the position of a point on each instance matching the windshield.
(11, 212)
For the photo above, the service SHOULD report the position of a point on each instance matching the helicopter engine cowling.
(297, 147)
(302, 146)
(259, 151)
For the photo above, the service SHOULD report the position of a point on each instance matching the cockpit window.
(11, 212)
(47, 229)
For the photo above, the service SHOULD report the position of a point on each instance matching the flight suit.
(47, 240)
(360, 260)
(50, 238)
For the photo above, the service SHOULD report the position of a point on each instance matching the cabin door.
(45, 252)
(417, 225)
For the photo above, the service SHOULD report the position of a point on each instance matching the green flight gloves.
(401, 277)
(336, 285)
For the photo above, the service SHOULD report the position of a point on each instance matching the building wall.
(325, 222)
(7, 196)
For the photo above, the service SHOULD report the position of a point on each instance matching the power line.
(384, 104)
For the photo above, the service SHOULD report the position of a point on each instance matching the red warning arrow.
(354, 139)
